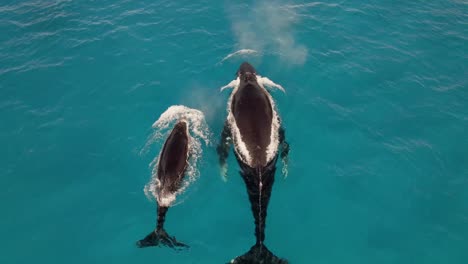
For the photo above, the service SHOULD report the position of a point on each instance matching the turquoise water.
(375, 111)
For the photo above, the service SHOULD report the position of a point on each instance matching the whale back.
(173, 159)
(253, 114)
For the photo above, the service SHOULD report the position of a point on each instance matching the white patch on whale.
(269, 83)
(239, 144)
(232, 84)
(198, 131)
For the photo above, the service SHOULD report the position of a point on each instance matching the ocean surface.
(375, 110)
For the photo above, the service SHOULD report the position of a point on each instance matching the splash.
(239, 53)
(198, 133)
(268, 27)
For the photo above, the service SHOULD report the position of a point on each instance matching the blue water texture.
(375, 110)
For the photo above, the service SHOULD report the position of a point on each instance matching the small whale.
(172, 165)
(254, 128)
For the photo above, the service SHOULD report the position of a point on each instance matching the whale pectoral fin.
(223, 171)
(284, 154)
(232, 84)
(269, 83)
(223, 149)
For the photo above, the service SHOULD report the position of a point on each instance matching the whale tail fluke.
(160, 237)
(258, 254)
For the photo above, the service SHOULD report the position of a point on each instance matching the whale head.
(180, 127)
(246, 69)
(247, 74)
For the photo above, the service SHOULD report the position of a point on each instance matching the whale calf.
(254, 128)
(172, 166)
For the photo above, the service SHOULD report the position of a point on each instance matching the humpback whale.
(172, 165)
(254, 128)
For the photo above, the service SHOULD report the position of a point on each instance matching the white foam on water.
(241, 52)
(272, 148)
(198, 132)
(239, 144)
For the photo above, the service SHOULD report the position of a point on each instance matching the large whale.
(172, 165)
(253, 125)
